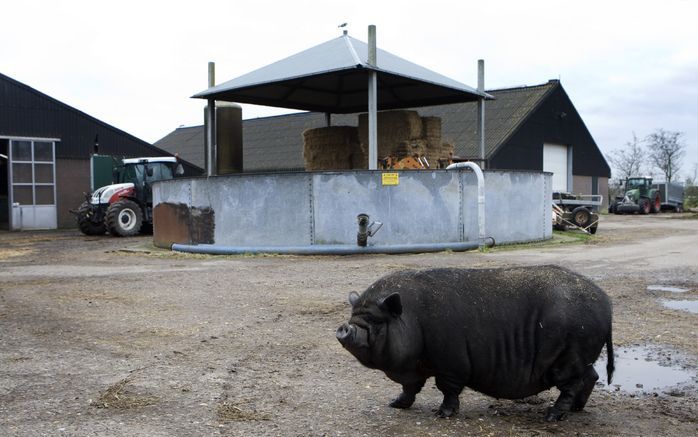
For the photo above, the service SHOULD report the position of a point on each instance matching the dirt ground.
(106, 336)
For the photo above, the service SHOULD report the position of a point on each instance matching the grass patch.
(118, 397)
(560, 238)
(230, 412)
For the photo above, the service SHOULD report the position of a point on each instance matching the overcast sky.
(628, 66)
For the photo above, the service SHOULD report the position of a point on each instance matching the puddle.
(638, 371)
(684, 305)
(667, 288)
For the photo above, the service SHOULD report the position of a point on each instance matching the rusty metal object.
(182, 224)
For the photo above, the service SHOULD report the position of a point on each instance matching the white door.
(555, 161)
(32, 177)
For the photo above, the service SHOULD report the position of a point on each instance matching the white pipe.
(480, 197)
(481, 109)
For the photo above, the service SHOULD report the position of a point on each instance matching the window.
(33, 171)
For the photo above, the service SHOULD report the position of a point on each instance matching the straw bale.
(394, 127)
(359, 159)
(431, 129)
(330, 148)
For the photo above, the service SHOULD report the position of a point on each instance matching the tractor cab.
(143, 172)
(641, 184)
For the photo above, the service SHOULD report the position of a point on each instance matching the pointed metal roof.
(333, 77)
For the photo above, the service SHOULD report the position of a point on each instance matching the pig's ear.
(353, 298)
(391, 304)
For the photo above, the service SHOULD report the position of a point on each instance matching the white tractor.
(125, 208)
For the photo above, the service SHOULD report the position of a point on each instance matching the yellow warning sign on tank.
(390, 178)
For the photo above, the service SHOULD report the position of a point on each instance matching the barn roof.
(275, 143)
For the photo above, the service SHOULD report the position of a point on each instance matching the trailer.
(576, 210)
(671, 196)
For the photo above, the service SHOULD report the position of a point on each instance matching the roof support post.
(372, 101)
(481, 110)
(210, 118)
(210, 137)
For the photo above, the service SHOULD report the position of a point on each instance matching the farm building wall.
(554, 121)
(28, 113)
(71, 175)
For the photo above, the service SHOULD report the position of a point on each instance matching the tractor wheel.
(645, 206)
(124, 218)
(656, 205)
(581, 217)
(87, 226)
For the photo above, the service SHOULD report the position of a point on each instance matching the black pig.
(508, 333)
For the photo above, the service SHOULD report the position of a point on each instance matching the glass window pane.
(21, 173)
(43, 151)
(43, 173)
(22, 194)
(44, 194)
(21, 150)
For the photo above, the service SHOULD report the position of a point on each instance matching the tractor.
(640, 196)
(125, 208)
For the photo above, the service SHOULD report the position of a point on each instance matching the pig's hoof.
(446, 411)
(554, 415)
(403, 401)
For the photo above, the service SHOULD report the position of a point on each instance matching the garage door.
(555, 161)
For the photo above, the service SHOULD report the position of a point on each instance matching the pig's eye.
(373, 319)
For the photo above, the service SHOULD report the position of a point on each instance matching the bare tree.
(692, 178)
(627, 161)
(665, 150)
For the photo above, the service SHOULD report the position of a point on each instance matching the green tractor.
(640, 196)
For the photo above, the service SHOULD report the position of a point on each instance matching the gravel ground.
(106, 336)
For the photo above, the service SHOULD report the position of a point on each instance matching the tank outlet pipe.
(480, 198)
(362, 235)
(365, 229)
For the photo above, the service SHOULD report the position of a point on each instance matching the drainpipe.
(480, 199)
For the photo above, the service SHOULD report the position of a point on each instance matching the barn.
(45, 156)
(526, 128)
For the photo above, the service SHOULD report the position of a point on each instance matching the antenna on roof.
(345, 31)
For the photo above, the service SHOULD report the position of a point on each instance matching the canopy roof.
(333, 77)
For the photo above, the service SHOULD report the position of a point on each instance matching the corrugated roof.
(333, 77)
(275, 143)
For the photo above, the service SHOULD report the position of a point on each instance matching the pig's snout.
(345, 333)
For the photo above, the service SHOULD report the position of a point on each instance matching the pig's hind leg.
(575, 387)
(451, 390)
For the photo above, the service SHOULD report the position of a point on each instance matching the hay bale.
(359, 159)
(330, 148)
(431, 131)
(394, 127)
(410, 148)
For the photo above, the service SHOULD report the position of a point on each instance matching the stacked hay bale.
(399, 133)
(431, 130)
(405, 133)
(332, 148)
